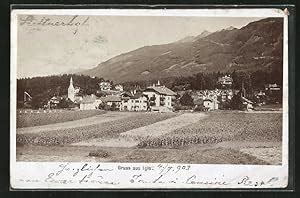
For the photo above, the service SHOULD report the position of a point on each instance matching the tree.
(236, 102)
(113, 107)
(186, 100)
(225, 105)
(38, 101)
(65, 103)
(101, 106)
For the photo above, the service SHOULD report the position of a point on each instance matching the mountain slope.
(255, 46)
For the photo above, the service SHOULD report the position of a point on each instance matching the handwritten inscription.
(97, 174)
(247, 181)
(74, 21)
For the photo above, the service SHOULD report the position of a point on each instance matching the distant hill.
(74, 71)
(257, 46)
(194, 38)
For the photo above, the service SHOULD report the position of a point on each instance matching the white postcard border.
(32, 175)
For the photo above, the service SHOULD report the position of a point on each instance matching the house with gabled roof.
(112, 99)
(135, 101)
(159, 97)
(89, 102)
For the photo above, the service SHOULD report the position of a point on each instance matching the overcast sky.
(47, 49)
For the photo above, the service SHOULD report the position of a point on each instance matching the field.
(229, 137)
(222, 127)
(37, 118)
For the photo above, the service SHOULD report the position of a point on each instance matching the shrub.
(199, 108)
(186, 100)
(181, 107)
(99, 153)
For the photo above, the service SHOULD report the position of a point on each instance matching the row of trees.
(187, 102)
(56, 85)
(43, 88)
(252, 81)
(200, 81)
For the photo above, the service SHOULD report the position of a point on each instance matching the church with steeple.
(71, 91)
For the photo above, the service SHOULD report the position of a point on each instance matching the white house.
(159, 97)
(225, 80)
(211, 104)
(134, 102)
(272, 87)
(89, 102)
(104, 86)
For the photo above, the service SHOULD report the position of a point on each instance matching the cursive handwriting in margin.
(74, 22)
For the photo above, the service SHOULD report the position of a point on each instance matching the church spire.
(71, 91)
(158, 83)
(71, 82)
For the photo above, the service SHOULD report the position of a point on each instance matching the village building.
(272, 87)
(134, 102)
(214, 97)
(225, 81)
(261, 97)
(211, 104)
(105, 86)
(160, 98)
(73, 92)
(106, 89)
(89, 103)
(112, 100)
(217, 94)
(53, 102)
(119, 88)
(226, 95)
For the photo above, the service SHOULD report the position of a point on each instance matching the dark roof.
(137, 95)
(162, 90)
(111, 98)
(126, 94)
(207, 99)
(108, 92)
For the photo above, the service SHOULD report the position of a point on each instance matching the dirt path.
(109, 116)
(165, 126)
(129, 138)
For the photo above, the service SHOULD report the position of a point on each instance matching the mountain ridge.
(255, 46)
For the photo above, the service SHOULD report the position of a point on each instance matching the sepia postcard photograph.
(149, 98)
